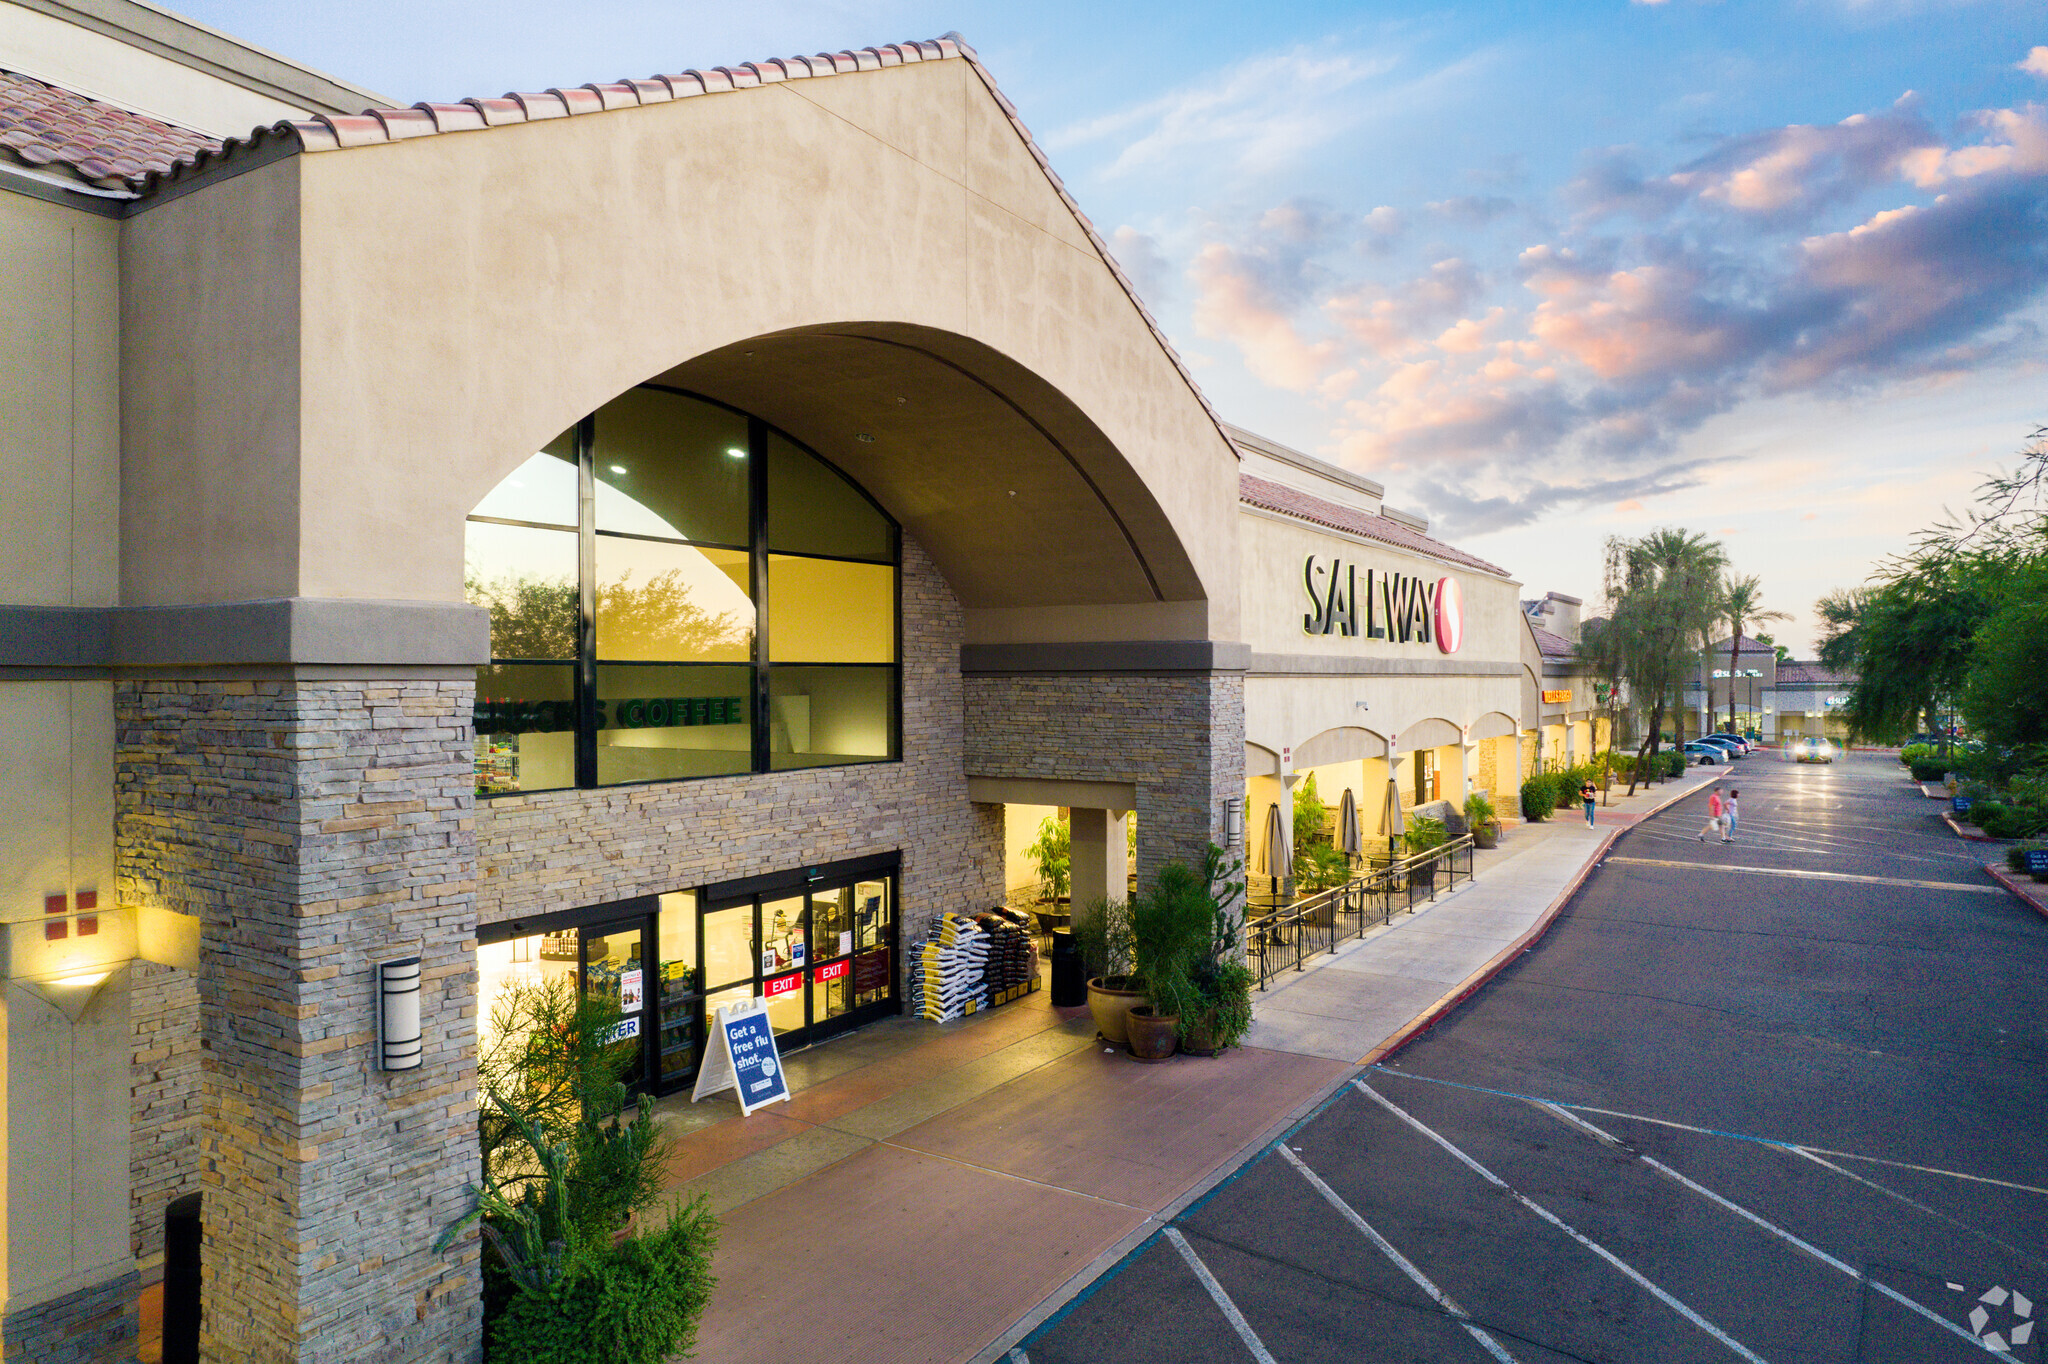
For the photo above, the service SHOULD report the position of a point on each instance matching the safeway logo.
(1450, 615)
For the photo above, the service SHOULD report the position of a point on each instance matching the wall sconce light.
(399, 1045)
(1233, 822)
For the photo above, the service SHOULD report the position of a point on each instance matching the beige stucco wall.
(59, 405)
(460, 299)
(1288, 707)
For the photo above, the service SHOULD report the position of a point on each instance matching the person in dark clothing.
(1588, 795)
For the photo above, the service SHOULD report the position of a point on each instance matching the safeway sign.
(1400, 608)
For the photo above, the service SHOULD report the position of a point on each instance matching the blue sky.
(1551, 273)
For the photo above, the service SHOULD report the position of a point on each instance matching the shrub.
(2007, 821)
(1912, 755)
(2016, 856)
(1925, 771)
(1208, 988)
(1674, 763)
(1102, 932)
(1979, 811)
(1536, 801)
(1424, 833)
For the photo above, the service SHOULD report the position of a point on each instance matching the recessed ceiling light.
(618, 468)
(735, 452)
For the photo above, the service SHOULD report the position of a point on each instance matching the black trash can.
(1069, 978)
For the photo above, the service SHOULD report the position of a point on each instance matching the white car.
(1813, 751)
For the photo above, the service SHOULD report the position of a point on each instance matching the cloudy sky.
(1551, 273)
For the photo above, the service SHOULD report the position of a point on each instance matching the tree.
(2005, 694)
(1783, 654)
(1663, 599)
(1841, 638)
(1739, 598)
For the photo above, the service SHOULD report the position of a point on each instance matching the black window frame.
(759, 665)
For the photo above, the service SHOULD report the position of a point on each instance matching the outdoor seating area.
(1282, 936)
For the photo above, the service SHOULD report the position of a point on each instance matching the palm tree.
(1739, 598)
(1664, 597)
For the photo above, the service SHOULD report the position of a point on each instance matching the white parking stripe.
(1735, 1346)
(1811, 875)
(1773, 1228)
(1401, 1262)
(1017, 1356)
(1220, 1298)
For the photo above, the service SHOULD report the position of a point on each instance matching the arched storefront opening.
(678, 589)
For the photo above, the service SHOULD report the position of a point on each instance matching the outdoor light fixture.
(398, 1014)
(1233, 822)
(618, 468)
(734, 452)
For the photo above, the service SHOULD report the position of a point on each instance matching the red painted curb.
(1497, 963)
(2031, 894)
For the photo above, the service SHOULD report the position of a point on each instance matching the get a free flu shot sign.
(742, 1057)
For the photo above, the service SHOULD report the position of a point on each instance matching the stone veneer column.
(317, 827)
(1178, 736)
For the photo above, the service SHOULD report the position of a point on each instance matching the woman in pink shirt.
(1713, 818)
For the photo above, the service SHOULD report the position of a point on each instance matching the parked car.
(1742, 739)
(1707, 755)
(1813, 751)
(1735, 747)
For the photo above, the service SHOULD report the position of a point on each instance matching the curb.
(1957, 830)
(1494, 965)
(2033, 896)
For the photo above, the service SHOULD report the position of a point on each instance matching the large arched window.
(679, 590)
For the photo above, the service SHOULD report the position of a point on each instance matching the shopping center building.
(650, 532)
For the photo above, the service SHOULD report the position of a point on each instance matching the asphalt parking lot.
(1773, 1100)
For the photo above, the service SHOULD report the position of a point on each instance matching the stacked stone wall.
(163, 1010)
(95, 1325)
(317, 828)
(1179, 737)
(566, 849)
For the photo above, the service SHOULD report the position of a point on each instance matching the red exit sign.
(783, 985)
(832, 970)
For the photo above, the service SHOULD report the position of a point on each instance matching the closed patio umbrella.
(1277, 859)
(1393, 813)
(1347, 824)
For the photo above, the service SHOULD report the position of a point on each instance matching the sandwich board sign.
(742, 1057)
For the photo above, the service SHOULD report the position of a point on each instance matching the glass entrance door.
(614, 970)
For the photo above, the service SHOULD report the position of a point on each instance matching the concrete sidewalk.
(933, 1192)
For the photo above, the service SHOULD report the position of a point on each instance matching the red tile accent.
(454, 118)
(55, 930)
(87, 899)
(56, 904)
(1259, 492)
(315, 137)
(355, 130)
(88, 925)
(400, 124)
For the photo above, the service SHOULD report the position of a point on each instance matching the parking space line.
(1608, 1139)
(1221, 1299)
(1809, 875)
(1734, 1346)
(1401, 1262)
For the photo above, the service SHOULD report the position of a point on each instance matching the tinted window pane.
(820, 716)
(526, 579)
(542, 489)
(812, 510)
(525, 727)
(672, 603)
(655, 723)
(670, 465)
(830, 611)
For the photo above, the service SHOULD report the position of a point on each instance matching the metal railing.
(1280, 935)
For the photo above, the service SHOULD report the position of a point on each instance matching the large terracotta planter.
(1152, 1035)
(1110, 1008)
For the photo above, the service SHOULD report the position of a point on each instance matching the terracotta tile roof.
(56, 130)
(1278, 497)
(324, 133)
(1553, 645)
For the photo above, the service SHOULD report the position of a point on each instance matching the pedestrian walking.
(1588, 794)
(1713, 824)
(1728, 818)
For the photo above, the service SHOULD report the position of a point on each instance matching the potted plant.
(1169, 926)
(1212, 994)
(1485, 824)
(1053, 853)
(1102, 934)
(1423, 835)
